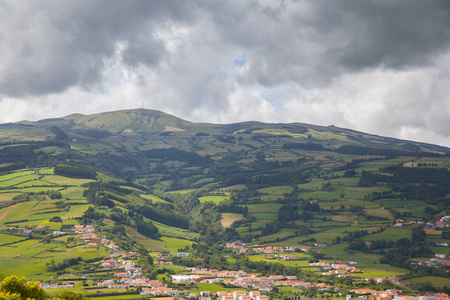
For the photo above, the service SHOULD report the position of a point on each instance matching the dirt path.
(6, 211)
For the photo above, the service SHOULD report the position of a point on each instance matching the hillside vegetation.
(159, 186)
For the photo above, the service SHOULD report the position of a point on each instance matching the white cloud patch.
(381, 67)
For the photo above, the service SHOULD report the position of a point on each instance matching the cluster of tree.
(13, 167)
(94, 196)
(361, 150)
(369, 179)
(91, 214)
(419, 175)
(228, 206)
(75, 171)
(381, 244)
(147, 228)
(94, 133)
(26, 196)
(59, 134)
(15, 288)
(68, 262)
(163, 216)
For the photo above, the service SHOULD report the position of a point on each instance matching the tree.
(13, 287)
(418, 236)
(69, 296)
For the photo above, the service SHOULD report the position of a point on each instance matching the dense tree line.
(75, 171)
(361, 150)
(164, 217)
(147, 229)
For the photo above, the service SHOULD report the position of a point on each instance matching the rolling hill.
(160, 185)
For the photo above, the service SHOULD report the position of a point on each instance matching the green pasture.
(146, 242)
(287, 263)
(391, 234)
(7, 239)
(4, 197)
(417, 211)
(215, 199)
(284, 233)
(396, 203)
(60, 180)
(34, 189)
(347, 204)
(265, 216)
(16, 174)
(276, 190)
(264, 208)
(202, 181)
(368, 263)
(313, 185)
(21, 211)
(46, 171)
(260, 223)
(434, 280)
(270, 198)
(175, 232)
(17, 180)
(73, 193)
(32, 183)
(29, 258)
(349, 182)
(173, 244)
(380, 213)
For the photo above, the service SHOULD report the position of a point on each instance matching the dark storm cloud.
(48, 46)
(311, 42)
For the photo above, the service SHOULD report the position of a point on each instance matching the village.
(127, 274)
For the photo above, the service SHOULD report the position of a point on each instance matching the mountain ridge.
(145, 122)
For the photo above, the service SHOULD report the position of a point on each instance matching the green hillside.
(159, 186)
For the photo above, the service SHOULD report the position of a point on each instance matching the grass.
(215, 199)
(15, 174)
(20, 212)
(434, 280)
(17, 180)
(264, 208)
(146, 242)
(29, 258)
(73, 193)
(153, 198)
(276, 190)
(32, 183)
(391, 234)
(7, 239)
(60, 180)
(5, 197)
(173, 244)
(380, 213)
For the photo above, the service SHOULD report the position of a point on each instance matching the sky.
(381, 67)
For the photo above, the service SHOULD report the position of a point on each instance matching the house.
(91, 245)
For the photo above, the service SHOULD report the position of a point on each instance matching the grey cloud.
(49, 46)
